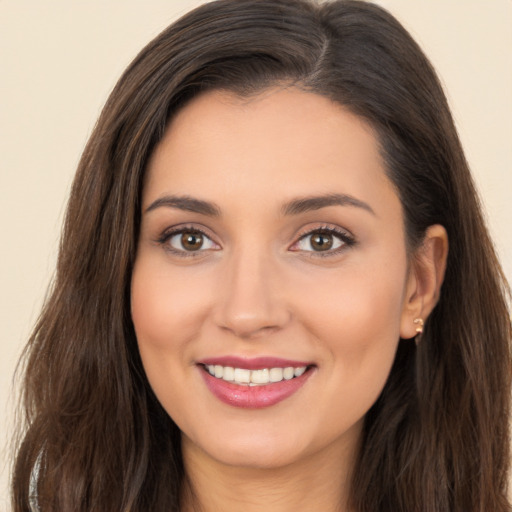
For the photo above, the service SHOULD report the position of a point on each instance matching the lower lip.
(253, 397)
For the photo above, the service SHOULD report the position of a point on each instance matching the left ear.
(426, 274)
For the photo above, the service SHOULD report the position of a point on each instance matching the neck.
(318, 482)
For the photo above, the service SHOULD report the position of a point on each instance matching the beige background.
(60, 58)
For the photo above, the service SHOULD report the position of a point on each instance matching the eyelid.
(170, 232)
(348, 240)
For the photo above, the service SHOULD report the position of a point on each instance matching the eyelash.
(347, 241)
(169, 234)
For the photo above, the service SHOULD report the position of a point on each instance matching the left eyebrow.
(311, 203)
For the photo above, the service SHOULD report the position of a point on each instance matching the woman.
(275, 287)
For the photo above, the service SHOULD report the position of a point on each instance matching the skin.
(257, 287)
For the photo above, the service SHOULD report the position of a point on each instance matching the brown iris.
(192, 241)
(321, 241)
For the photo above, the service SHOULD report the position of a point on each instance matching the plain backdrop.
(59, 59)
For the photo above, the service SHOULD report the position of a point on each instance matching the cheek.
(357, 304)
(167, 311)
(363, 340)
(164, 303)
(355, 314)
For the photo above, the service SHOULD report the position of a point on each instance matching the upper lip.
(253, 363)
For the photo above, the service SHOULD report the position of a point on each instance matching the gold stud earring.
(419, 325)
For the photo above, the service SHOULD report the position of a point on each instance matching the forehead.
(279, 144)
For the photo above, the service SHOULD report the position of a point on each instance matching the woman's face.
(271, 250)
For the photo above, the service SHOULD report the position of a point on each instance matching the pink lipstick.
(254, 383)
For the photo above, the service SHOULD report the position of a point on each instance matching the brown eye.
(188, 241)
(321, 241)
(191, 241)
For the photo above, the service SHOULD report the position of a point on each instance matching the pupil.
(321, 242)
(192, 241)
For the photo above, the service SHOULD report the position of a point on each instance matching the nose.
(250, 300)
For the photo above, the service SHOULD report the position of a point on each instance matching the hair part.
(437, 437)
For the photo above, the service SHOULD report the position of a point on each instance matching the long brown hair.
(437, 437)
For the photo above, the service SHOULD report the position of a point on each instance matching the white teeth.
(260, 376)
(242, 376)
(254, 377)
(299, 371)
(288, 373)
(229, 374)
(276, 374)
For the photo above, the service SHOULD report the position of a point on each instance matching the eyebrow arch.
(186, 203)
(307, 204)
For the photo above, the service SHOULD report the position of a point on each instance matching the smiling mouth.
(265, 383)
(260, 377)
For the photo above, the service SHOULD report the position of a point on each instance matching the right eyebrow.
(186, 203)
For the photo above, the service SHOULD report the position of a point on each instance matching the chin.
(254, 451)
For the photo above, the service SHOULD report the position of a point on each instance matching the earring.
(419, 325)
